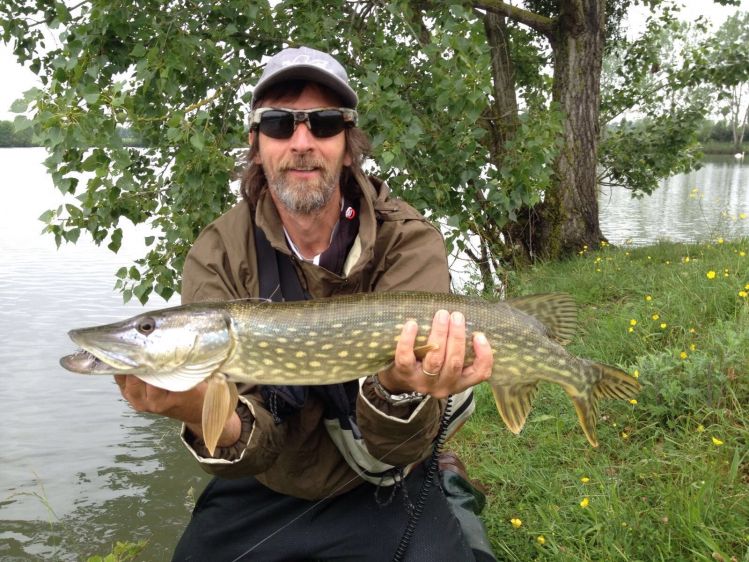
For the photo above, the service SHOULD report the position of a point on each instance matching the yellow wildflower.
(742, 216)
(743, 294)
(700, 428)
(692, 331)
(710, 274)
(648, 298)
(630, 329)
(692, 346)
(625, 436)
(633, 402)
(636, 374)
(655, 316)
(683, 355)
(686, 259)
(742, 253)
(585, 503)
(746, 286)
(633, 322)
(664, 325)
(717, 442)
(584, 479)
(516, 522)
(540, 539)
(720, 240)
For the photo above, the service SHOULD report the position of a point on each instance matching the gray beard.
(304, 198)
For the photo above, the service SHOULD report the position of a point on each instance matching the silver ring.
(427, 373)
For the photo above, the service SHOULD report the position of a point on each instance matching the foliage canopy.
(429, 78)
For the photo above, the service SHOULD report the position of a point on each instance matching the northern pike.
(338, 339)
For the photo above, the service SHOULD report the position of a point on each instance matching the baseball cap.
(305, 63)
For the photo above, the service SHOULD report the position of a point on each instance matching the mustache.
(302, 162)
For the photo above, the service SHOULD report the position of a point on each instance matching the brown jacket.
(397, 249)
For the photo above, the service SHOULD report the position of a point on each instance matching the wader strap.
(278, 278)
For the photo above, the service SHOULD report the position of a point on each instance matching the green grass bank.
(670, 479)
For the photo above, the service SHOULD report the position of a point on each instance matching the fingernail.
(457, 318)
(481, 338)
(442, 316)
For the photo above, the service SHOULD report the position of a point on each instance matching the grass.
(670, 479)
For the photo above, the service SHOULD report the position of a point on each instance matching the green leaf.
(197, 141)
(116, 241)
(19, 105)
(47, 216)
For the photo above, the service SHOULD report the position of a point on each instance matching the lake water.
(80, 470)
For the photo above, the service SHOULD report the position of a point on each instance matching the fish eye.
(146, 325)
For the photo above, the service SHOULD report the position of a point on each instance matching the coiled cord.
(429, 478)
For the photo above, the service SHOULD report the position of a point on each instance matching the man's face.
(303, 171)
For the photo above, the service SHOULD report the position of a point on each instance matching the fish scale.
(338, 339)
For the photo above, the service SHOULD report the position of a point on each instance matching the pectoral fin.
(218, 404)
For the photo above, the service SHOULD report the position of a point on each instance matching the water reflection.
(80, 470)
(699, 206)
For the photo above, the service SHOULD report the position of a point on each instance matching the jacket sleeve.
(413, 258)
(208, 275)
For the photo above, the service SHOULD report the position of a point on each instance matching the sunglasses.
(280, 123)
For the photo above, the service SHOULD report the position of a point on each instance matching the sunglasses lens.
(326, 123)
(277, 124)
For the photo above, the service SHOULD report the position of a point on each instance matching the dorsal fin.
(556, 311)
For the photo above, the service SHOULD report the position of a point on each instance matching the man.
(331, 472)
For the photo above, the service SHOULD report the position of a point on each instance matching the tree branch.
(539, 23)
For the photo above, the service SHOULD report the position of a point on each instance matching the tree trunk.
(503, 123)
(504, 118)
(568, 217)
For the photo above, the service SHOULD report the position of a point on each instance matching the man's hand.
(186, 407)
(442, 371)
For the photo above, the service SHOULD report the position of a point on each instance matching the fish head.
(173, 348)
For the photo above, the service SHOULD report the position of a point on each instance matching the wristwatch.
(395, 399)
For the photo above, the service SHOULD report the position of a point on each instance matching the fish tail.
(610, 382)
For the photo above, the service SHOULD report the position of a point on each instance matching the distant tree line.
(9, 137)
(716, 132)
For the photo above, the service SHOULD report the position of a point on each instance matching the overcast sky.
(17, 79)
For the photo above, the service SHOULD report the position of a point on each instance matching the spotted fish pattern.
(334, 340)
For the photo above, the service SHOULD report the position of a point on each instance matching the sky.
(17, 79)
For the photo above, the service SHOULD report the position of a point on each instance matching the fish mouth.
(86, 363)
(96, 356)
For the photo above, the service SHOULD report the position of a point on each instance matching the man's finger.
(456, 346)
(481, 369)
(404, 355)
(433, 361)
